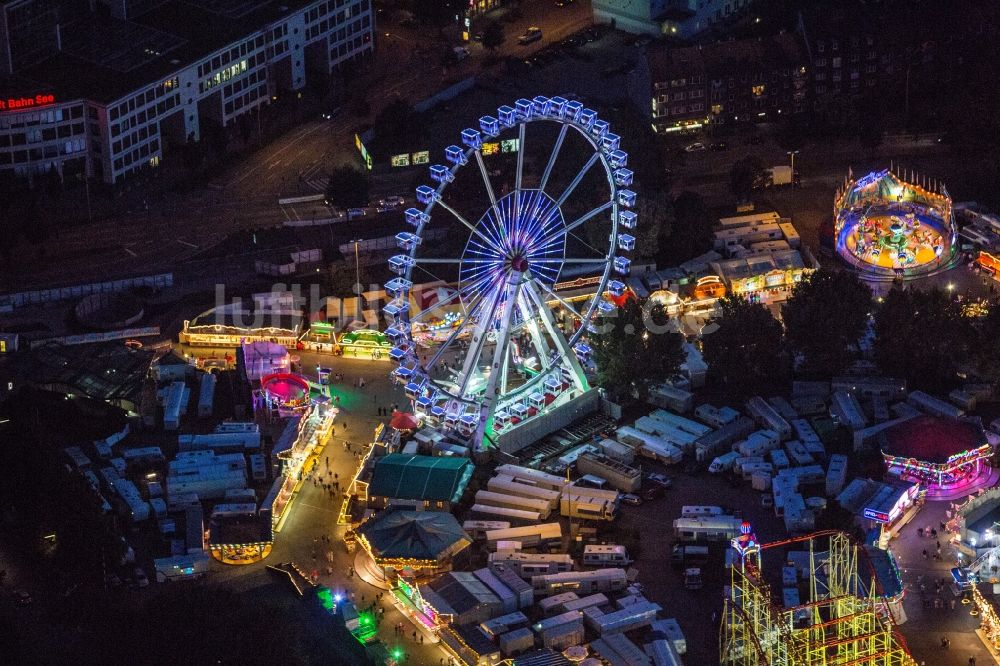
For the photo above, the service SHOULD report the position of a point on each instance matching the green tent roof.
(420, 477)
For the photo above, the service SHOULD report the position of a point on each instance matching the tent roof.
(420, 477)
(418, 535)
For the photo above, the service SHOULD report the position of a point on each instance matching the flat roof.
(106, 58)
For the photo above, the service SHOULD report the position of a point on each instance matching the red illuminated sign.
(16, 103)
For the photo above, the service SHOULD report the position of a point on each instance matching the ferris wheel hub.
(519, 263)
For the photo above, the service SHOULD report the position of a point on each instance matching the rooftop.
(416, 535)
(105, 58)
(420, 477)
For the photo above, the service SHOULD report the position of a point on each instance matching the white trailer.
(507, 485)
(700, 511)
(533, 477)
(528, 536)
(748, 471)
(716, 416)
(779, 459)
(650, 446)
(724, 463)
(711, 528)
(680, 422)
(605, 555)
(541, 507)
(477, 529)
(487, 512)
(836, 475)
(206, 394)
(797, 453)
(768, 417)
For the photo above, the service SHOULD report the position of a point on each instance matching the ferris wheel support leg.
(520, 158)
(537, 340)
(478, 340)
(500, 351)
(562, 346)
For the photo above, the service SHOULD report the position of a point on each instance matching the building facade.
(164, 72)
(681, 18)
(737, 80)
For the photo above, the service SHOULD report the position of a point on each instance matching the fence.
(23, 298)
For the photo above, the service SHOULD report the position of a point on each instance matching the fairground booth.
(889, 225)
(942, 455)
(424, 542)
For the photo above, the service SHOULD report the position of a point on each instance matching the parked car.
(695, 147)
(331, 114)
(387, 204)
(22, 598)
(140, 578)
(659, 479)
(631, 499)
(354, 213)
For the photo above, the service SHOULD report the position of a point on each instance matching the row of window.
(134, 139)
(325, 8)
(681, 96)
(232, 55)
(237, 87)
(234, 106)
(834, 44)
(349, 48)
(142, 99)
(230, 72)
(146, 115)
(17, 120)
(137, 154)
(45, 152)
(40, 135)
(821, 89)
(324, 25)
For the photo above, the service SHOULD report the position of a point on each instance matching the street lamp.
(792, 154)
(357, 274)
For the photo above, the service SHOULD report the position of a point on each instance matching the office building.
(108, 88)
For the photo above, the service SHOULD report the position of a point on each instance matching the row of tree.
(923, 336)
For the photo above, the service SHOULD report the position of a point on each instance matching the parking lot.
(653, 522)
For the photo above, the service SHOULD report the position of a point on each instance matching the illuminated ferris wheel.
(516, 348)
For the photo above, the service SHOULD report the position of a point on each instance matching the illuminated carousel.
(888, 226)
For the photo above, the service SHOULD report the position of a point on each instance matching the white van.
(723, 463)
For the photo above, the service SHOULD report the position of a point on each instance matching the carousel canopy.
(885, 186)
(416, 535)
(420, 477)
(931, 439)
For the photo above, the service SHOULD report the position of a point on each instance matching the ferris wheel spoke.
(476, 305)
(562, 344)
(576, 180)
(471, 227)
(574, 225)
(553, 156)
(570, 260)
(561, 301)
(486, 177)
(449, 260)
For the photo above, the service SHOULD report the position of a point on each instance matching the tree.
(746, 175)
(342, 277)
(744, 353)
(347, 187)
(437, 12)
(825, 317)
(636, 350)
(395, 127)
(922, 337)
(493, 36)
(691, 231)
(654, 224)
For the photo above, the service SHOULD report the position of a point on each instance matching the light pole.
(792, 154)
(357, 275)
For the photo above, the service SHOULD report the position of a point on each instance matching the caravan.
(605, 555)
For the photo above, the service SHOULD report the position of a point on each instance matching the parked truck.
(781, 175)
(724, 463)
